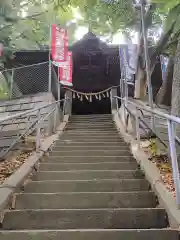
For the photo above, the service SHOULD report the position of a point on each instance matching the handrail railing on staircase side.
(36, 125)
(171, 121)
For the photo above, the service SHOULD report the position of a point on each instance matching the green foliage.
(171, 12)
(153, 147)
(166, 5)
(106, 18)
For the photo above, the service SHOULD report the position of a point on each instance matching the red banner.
(65, 71)
(59, 44)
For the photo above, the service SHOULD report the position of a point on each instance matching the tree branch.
(161, 44)
(25, 18)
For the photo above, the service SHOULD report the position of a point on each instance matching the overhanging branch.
(33, 17)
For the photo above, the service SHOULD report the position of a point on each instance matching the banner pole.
(59, 88)
(50, 73)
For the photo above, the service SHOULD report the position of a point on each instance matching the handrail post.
(117, 108)
(63, 109)
(50, 124)
(11, 84)
(137, 128)
(55, 116)
(38, 132)
(175, 169)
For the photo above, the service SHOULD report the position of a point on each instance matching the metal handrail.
(155, 112)
(20, 136)
(36, 122)
(171, 136)
(28, 112)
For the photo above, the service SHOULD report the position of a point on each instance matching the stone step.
(85, 218)
(88, 166)
(82, 152)
(88, 175)
(108, 185)
(96, 147)
(95, 234)
(85, 200)
(88, 159)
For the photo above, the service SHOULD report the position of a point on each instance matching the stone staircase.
(90, 187)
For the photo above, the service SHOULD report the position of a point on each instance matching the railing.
(52, 117)
(171, 121)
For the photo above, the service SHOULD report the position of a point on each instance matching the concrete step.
(95, 234)
(108, 185)
(86, 147)
(88, 175)
(93, 133)
(83, 144)
(97, 119)
(88, 159)
(86, 131)
(88, 166)
(93, 123)
(82, 152)
(89, 127)
(92, 120)
(91, 116)
(89, 138)
(92, 129)
(85, 218)
(9, 133)
(85, 200)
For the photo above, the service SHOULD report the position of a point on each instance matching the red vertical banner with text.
(59, 44)
(65, 71)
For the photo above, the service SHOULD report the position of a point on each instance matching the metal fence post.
(38, 132)
(50, 67)
(137, 128)
(175, 169)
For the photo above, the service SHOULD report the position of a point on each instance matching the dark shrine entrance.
(85, 107)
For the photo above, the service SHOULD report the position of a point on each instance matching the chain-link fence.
(25, 80)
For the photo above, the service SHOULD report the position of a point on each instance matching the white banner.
(128, 59)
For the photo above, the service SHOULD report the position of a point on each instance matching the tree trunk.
(165, 92)
(175, 102)
(140, 83)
